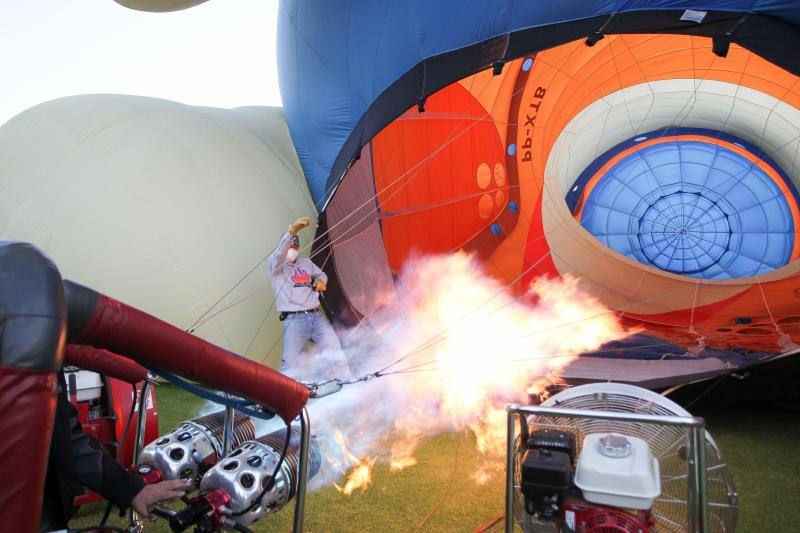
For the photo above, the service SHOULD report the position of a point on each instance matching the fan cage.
(668, 443)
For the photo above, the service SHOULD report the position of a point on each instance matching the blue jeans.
(299, 328)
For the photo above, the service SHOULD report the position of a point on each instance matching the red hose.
(490, 525)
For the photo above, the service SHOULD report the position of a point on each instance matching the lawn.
(439, 495)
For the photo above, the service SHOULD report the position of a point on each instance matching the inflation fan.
(615, 472)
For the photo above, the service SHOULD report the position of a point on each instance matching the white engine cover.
(88, 385)
(624, 474)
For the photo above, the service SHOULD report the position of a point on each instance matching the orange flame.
(464, 347)
(396, 465)
(359, 478)
(361, 475)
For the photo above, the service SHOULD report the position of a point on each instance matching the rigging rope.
(314, 386)
(415, 169)
(455, 134)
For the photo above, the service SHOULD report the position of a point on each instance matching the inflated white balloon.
(159, 5)
(158, 204)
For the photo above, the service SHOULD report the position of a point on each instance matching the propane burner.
(194, 446)
(237, 492)
(245, 472)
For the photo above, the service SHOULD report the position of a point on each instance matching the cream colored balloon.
(159, 5)
(159, 204)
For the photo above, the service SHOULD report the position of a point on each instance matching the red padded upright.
(27, 404)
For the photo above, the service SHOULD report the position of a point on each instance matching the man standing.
(297, 283)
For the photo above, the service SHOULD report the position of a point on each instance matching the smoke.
(454, 346)
(458, 347)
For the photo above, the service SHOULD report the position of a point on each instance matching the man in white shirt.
(297, 283)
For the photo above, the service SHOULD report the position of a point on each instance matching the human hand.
(320, 286)
(163, 491)
(300, 223)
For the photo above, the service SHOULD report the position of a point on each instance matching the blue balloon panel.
(340, 61)
(693, 208)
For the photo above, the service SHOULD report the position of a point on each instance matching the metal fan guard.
(668, 444)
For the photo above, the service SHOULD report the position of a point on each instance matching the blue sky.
(220, 54)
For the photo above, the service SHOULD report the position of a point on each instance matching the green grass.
(759, 446)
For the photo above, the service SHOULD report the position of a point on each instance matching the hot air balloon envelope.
(648, 148)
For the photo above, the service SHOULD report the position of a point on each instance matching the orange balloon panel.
(440, 176)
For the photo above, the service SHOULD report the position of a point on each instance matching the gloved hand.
(158, 492)
(300, 223)
(319, 285)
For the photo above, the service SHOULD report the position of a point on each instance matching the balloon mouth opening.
(692, 202)
(686, 170)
